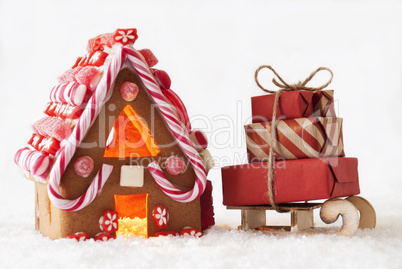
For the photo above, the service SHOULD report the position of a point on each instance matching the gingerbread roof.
(75, 103)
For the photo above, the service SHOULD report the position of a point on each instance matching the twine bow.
(284, 87)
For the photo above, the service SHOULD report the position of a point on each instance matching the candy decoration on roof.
(69, 75)
(125, 36)
(73, 93)
(97, 59)
(53, 127)
(62, 110)
(32, 161)
(149, 57)
(47, 145)
(162, 78)
(88, 76)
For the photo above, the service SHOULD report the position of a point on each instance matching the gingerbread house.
(115, 152)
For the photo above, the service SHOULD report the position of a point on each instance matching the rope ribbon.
(284, 87)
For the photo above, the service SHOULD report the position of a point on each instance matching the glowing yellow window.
(130, 137)
(132, 211)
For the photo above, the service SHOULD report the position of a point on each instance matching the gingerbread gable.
(135, 144)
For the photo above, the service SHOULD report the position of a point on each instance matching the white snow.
(210, 50)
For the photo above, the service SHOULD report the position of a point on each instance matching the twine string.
(283, 87)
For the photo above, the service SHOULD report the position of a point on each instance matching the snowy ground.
(211, 51)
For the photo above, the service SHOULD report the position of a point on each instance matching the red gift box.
(299, 138)
(295, 180)
(296, 104)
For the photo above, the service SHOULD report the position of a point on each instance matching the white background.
(211, 51)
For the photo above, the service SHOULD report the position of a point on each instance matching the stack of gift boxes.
(308, 151)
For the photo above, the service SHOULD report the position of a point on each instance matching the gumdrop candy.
(54, 127)
(83, 166)
(163, 79)
(89, 76)
(129, 91)
(149, 57)
(199, 139)
(69, 75)
(174, 165)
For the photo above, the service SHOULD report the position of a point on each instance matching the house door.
(132, 212)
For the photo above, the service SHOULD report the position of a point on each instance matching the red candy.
(125, 36)
(159, 234)
(104, 237)
(129, 91)
(83, 166)
(108, 222)
(77, 62)
(69, 75)
(32, 161)
(161, 216)
(47, 145)
(174, 165)
(163, 79)
(85, 60)
(81, 236)
(53, 127)
(62, 110)
(191, 231)
(98, 58)
(89, 76)
(35, 140)
(199, 139)
(149, 57)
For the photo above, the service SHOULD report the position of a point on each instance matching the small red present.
(295, 104)
(295, 180)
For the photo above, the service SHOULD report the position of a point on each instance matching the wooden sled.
(356, 213)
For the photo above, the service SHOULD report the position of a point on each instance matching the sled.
(356, 212)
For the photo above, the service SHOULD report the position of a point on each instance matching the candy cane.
(32, 161)
(179, 131)
(72, 93)
(84, 123)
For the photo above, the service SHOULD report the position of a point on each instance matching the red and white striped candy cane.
(32, 161)
(85, 122)
(71, 92)
(179, 131)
